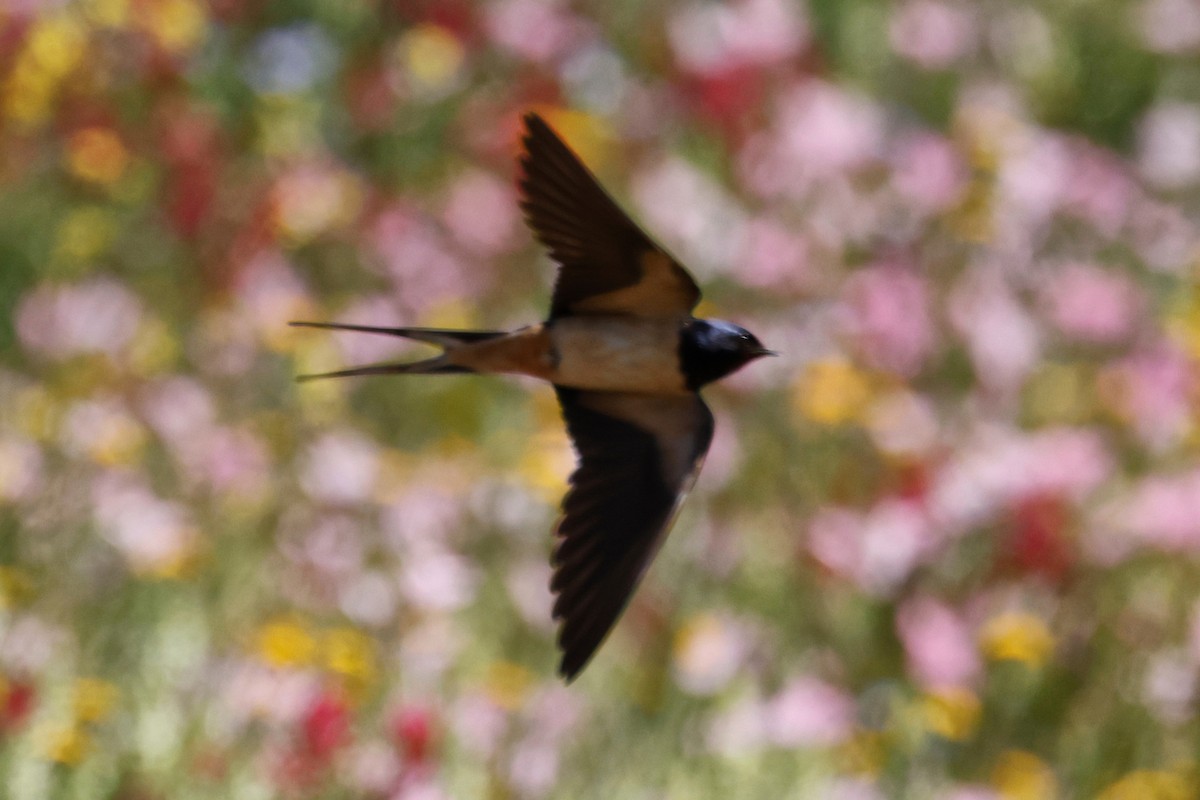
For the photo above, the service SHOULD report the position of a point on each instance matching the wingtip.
(570, 667)
(533, 119)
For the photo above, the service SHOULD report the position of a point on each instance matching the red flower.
(326, 726)
(1039, 542)
(16, 704)
(415, 734)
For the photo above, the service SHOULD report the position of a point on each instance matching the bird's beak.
(762, 351)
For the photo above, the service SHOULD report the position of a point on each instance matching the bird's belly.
(617, 354)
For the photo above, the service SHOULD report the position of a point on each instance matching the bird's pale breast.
(626, 354)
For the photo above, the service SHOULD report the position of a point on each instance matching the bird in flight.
(627, 360)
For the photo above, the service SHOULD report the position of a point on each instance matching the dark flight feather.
(638, 456)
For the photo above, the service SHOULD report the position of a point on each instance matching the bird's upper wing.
(607, 264)
(638, 457)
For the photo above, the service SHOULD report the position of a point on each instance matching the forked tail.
(438, 365)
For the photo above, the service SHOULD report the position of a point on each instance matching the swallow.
(627, 360)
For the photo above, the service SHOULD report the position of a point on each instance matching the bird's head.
(711, 348)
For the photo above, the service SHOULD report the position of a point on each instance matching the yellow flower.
(119, 440)
(64, 744)
(97, 155)
(507, 684)
(107, 13)
(53, 49)
(973, 219)
(432, 57)
(177, 25)
(37, 413)
(288, 125)
(1060, 393)
(154, 348)
(1019, 775)
(865, 752)
(1017, 636)
(1147, 784)
(952, 713)
(84, 234)
(56, 44)
(183, 561)
(28, 96)
(15, 586)
(1182, 320)
(94, 699)
(312, 201)
(831, 392)
(351, 654)
(547, 461)
(286, 643)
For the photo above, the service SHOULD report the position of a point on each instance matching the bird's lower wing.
(638, 456)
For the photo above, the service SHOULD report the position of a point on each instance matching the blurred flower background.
(946, 547)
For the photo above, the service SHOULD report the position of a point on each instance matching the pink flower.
(1153, 390)
(97, 315)
(774, 256)
(328, 546)
(1169, 145)
(29, 645)
(809, 712)
(826, 130)
(230, 461)
(420, 262)
(938, 644)
(928, 172)
(368, 598)
(151, 533)
(1033, 178)
(253, 690)
(1001, 337)
(932, 34)
(340, 468)
(1101, 190)
(270, 292)
(886, 314)
(1163, 236)
(1092, 304)
(438, 580)
(738, 729)
(178, 408)
(21, 468)
(877, 550)
(1162, 511)
(1169, 686)
(1170, 26)
(997, 467)
(481, 211)
(709, 651)
(715, 37)
(534, 766)
(535, 30)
